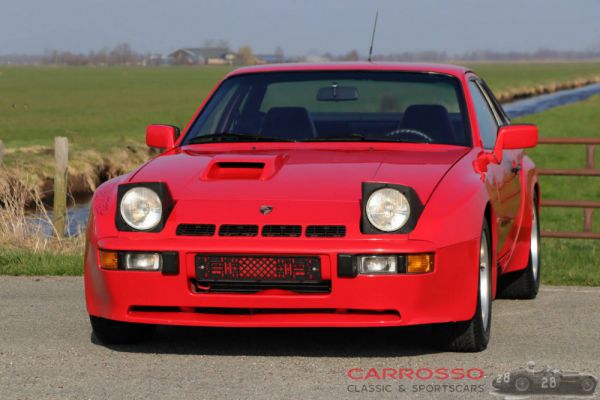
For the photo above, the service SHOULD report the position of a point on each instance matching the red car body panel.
(318, 183)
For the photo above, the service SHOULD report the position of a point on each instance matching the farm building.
(202, 55)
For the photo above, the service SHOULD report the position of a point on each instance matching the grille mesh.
(326, 231)
(267, 230)
(238, 230)
(195, 230)
(258, 268)
(282, 230)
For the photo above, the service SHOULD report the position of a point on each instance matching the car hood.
(299, 173)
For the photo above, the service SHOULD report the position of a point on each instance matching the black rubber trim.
(416, 207)
(255, 287)
(346, 266)
(167, 204)
(170, 263)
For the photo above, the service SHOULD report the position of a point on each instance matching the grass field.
(568, 261)
(99, 107)
(103, 108)
(505, 76)
(96, 107)
(15, 261)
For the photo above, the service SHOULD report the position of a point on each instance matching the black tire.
(117, 332)
(588, 385)
(523, 284)
(469, 336)
(522, 384)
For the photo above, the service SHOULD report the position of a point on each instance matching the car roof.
(448, 69)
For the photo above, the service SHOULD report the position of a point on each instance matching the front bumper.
(447, 294)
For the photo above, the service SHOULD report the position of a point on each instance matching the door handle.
(516, 168)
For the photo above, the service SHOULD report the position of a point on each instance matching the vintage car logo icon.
(265, 209)
(546, 380)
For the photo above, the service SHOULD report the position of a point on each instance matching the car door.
(503, 179)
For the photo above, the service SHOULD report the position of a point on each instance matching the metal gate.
(589, 170)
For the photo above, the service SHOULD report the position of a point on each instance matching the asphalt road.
(47, 351)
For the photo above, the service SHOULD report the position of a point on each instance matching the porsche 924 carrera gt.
(329, 195)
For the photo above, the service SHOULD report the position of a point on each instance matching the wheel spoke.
(535, 254)
(484, 279)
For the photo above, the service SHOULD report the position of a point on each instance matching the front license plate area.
(257, 268)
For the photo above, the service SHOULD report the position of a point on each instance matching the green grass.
(25, 262)
(570, 262)
(505, 76)
(99, 107)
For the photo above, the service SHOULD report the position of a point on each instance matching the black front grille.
(326, 231)
(282, 230)
(253, 268)
(267, 230)
(195, 230)
(238, 230)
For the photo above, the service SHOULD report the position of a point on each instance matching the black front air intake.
(325, 231)
(195, 230)
(238, 230)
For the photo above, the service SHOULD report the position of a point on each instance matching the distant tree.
(100, 57)
(245, 56)
(352, 55)
(122, 54)
(279, 55)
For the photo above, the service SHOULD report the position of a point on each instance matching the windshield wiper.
(357, 137)
(353, 137)
(234, 137)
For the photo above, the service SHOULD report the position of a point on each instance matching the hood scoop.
(242, 167)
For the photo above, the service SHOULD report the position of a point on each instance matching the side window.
(504, 118)
(488, 127)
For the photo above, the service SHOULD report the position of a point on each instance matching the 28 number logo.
(548, 382)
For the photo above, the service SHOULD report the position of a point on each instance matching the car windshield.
(334, 106)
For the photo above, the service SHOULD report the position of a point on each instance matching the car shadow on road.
(313, 342)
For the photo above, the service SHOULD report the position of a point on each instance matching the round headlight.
(141, 208)
(388, 209)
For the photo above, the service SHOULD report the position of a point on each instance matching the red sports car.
(322, 195)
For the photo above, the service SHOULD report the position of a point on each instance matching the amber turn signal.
(419, 263)
(109, 260)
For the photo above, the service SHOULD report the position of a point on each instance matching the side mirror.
(518, 136)
(161, 136)
(509, 137)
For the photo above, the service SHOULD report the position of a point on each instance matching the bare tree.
(245, 56)
(352, 55)
(122, 54)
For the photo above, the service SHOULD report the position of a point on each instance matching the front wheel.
(117, 332)
(522, 384)
(473, 335)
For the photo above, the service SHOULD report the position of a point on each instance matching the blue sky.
(300, 27)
